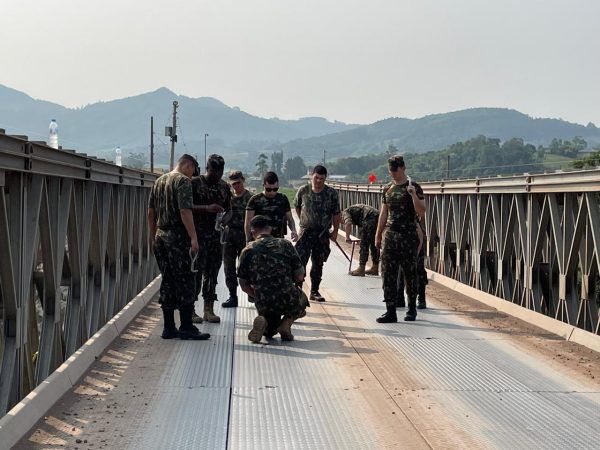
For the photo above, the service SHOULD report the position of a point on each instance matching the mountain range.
(98, 128)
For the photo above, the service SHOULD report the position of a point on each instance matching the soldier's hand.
(348, 240)
(333, 236)
(411, 189)
(195, 246)
(214, 208)
(378, 242)
(294, 236)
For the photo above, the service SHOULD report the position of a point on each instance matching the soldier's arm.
(383, 215)
(420, 234)
(151, 225)
(298, 202)
(292, 224)
(418, 199)
(188, 221)
(337, 219)
(247, 219)
(247, 287)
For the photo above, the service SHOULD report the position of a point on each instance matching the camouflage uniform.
(235, 240)
(274, 208)
(316, 215)
(270, 265)
(171, 193)
(365, 217)
(421, 272)
(400, 243)
(209, 240)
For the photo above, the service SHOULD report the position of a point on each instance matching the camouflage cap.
(260, 222)
(236, 175)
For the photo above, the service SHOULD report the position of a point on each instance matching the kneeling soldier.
(269, 268)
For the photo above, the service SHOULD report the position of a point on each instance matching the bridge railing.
(73, 252)
(533, 240)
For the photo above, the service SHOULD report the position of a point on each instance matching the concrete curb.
(564, 330)
(23, 416)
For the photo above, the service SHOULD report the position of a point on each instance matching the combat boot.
(169, 328)
(411, 313)
(422, 303)
(258, 329)
(359, 271)
(316, 296)
(373, 270)
(285, 329)
(231, 302)
(187, 330)
(209, 314)
(196, 318)
(390, 314)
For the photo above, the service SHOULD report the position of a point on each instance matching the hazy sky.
(350, 60)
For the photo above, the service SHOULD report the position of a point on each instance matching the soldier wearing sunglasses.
(274, 205)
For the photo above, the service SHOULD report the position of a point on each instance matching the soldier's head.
(236, 180)
(215, 164)
(260, 225)
(397, 167)
(270, 184)
(318, 177)
(188, 166)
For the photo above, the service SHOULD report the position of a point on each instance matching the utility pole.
(205, 160)
(151, 143)
(324, 151)
(448, 168)
(173, 136)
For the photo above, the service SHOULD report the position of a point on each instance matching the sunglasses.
(271, 189)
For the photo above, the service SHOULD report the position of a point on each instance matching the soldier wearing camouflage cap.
(235, 237)
(269, 268)
(174, 242)
(402, 200)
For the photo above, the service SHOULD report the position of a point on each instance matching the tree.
(277, 162)
(261, 165)
(136, 160)
(294, 168)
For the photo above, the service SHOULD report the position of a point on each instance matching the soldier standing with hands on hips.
(173, 238)
(402, 200)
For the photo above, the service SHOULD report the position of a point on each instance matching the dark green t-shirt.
(359, 214)
(317, 209)
(401, 210)
(274, 208)
(171, 193)
(206, 193)
(238, 210)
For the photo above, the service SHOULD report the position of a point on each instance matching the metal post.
(173, 136)
(151, 143)
(205, 160)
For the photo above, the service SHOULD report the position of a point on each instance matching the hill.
(100, 127)
(438, 131)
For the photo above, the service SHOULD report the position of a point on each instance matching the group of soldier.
(198, 222)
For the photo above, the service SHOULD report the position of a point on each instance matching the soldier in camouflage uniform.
(274, 205)
(269, 268)
(401, 201)
(235, 237)
(365, 217)
(421, 272)
(211, 197)
(173, 239)
(318, 208)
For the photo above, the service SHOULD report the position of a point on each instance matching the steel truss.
(73, 252)
(533, 240)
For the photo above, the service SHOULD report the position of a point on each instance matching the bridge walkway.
(346, 382)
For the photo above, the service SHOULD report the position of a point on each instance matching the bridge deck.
(345, 382)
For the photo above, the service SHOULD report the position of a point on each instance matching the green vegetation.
(592, 160)
(290, 193)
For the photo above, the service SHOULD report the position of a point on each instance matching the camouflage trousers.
(421, 276)
(367, 242)
(171, 250)
(314, 245)
(399, 252)
(236, 241)
(275, 304)
(210, 259)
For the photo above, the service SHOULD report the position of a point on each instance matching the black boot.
(316, 296)
(411, 313)
(169, 328)
(422, 304)
(231, 302)
(390, 314)
(187, 330)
